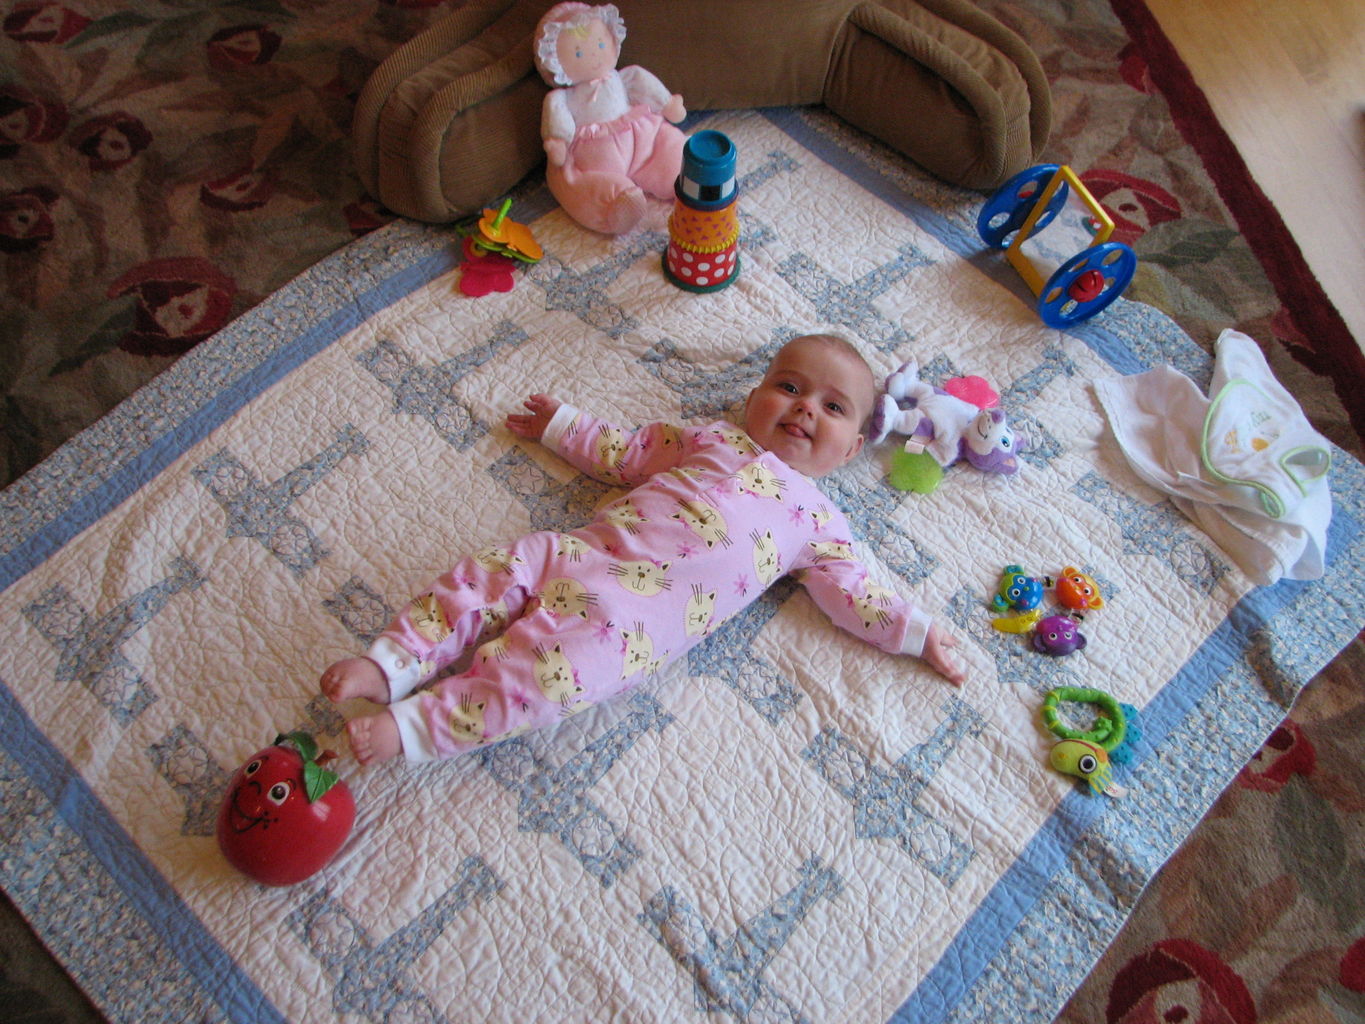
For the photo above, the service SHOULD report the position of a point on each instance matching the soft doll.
(606, 132)
(944, 427)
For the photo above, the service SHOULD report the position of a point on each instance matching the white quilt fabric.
(787, 825)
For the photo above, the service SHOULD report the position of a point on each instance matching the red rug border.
(1332, 351)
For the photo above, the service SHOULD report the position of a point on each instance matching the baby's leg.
(374, 738)
(472, 603)
(354, 677)
(550, 668)
(469, 604)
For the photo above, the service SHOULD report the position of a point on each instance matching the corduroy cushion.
(451, 119)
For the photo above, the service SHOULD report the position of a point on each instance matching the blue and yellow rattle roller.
(1087, 753)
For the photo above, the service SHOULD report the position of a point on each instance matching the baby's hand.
(937, 644)
(532, 425)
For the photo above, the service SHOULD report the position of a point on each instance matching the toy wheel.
(1086, 284)
(1006, 211)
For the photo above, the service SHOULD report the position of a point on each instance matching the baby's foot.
(354, 677)
(374, 738)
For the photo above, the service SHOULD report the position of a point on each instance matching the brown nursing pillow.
(451, 119)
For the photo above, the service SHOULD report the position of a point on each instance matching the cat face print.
(833, 550)
(625, 516)
(429, 618)
(760, 481)
(565, 596)
(610, 447)
(570, 547)
(556, 677)
(638, 651)
(700, 611)
(642, 578)
(466, 721)
(493, 619)
(871, 613)
(497, 560)
(495, 649)
(738, 440)
(705, 521)
(767, 560)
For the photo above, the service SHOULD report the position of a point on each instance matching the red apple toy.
(284, 815)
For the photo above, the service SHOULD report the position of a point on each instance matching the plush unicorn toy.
(943, 426)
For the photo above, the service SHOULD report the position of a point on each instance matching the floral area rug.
(165, 166)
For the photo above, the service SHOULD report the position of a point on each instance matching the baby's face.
(810, 407)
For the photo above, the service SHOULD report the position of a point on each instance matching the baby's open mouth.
(795, 431)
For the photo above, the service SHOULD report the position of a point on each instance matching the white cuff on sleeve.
(401, 668)
(559, 423)
(916, 632)
(413, 731)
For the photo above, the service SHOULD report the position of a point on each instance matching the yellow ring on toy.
(708, 250)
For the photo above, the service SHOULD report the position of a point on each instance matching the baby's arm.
(598, 448)
(838, 586)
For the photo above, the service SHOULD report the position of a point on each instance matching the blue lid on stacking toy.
(708, 170)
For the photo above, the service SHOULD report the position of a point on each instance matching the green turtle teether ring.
(1087, 753)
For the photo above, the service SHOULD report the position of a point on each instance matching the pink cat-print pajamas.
(563, 621)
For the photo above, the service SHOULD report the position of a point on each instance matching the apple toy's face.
(268, 828)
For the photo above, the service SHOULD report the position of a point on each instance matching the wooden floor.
(1286, 79)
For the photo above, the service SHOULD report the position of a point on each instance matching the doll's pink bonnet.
(560, 17)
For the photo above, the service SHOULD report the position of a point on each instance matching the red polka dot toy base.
(700, 272)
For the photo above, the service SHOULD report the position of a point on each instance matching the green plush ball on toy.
(918, 472)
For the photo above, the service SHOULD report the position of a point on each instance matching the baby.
(562, 621)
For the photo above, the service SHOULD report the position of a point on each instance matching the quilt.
(785, 825)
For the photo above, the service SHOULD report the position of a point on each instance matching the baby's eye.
(788, 387)
(578, 53)
(835, 408)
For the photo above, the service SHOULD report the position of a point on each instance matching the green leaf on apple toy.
(317, 780)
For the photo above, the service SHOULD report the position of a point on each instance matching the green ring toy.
(1111, 725)
(1086, 753)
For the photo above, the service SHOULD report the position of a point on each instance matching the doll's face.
(587, 53)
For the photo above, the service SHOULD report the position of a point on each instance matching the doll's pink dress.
(617, 143)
